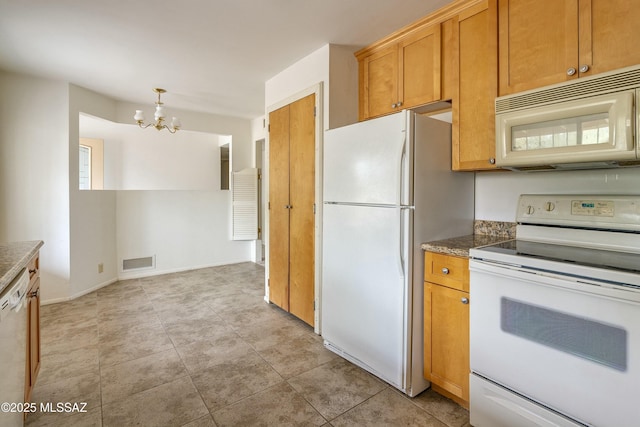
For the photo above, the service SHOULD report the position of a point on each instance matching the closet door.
(302, 218)
(292, 208)
(278, 207)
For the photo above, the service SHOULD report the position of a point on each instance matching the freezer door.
(363, 163)
(364, 287)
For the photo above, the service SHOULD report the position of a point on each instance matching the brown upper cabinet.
(401, 73)
(451, 54)
(471, 51)
(543, 42)
(475, 86)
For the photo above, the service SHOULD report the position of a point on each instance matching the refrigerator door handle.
(401, 248)
(402, 170)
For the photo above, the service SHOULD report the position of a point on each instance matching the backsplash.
(495, 228)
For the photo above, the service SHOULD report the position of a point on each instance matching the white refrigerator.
(387, 188)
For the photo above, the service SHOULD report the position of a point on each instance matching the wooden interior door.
(302, 216)
(278, 207)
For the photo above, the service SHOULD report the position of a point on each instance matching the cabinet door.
(449, 50)
(379, 83)
(473, 128)
(538, 43)
(609, 32)
(279, 207)
(419, 67)
(33, 338)
(302, 216)
(446, 325)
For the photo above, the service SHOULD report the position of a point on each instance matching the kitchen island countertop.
(485, 233)
(14, 257)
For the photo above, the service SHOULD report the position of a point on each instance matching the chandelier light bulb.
(160, 114)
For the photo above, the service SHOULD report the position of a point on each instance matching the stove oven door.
(564, 347)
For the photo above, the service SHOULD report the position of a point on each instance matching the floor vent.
(138, 263)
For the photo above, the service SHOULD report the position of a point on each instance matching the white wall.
(41, 201)
(239, 129)
(181, 217)
(333, 65)
(182, 229)
(497, 192)
(184, 161)
(92, 213)
(317, 68)
(34, 172)
(343, 87)
(141, 159)
(307, 72)
(186, 228)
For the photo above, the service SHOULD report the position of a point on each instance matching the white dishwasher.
(13, 349)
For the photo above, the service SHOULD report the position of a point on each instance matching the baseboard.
(137, 276)
(79, 294)
(149, 273)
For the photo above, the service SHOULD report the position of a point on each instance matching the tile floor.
(202, 348)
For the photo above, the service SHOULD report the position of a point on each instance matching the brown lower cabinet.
(33, 327)
(446, 325)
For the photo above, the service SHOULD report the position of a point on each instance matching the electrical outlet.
(100, 268)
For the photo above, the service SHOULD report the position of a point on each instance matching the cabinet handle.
(492, 161)
(394, 105)
(571, 71)
(584, 68)
(32, 271)
(445, 270)
(399, 104)
(464, 300)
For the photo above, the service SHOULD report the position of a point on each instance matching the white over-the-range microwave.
(586, 123)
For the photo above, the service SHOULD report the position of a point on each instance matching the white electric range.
(555, 316)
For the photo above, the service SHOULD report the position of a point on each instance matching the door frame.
(316, 89)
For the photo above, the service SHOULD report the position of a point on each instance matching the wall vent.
(614, 81)
(138, 263)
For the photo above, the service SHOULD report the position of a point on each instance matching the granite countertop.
(14, 257)
(484, 233)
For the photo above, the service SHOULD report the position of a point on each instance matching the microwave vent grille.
(624, 79)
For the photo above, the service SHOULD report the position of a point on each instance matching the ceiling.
(212, 56)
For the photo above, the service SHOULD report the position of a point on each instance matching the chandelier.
(159, 116)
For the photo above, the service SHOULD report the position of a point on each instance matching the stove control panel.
(590, 211)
